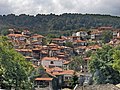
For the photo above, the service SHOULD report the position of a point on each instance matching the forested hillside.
(56, 23)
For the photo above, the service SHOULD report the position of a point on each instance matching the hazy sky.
(34, 7)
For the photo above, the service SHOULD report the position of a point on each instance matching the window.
(51, 62)
(85, 67)
(66, 78)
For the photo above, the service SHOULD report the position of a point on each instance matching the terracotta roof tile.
(36, 49)
(16, 35)
(23, 50)
(61, 56)
(55, 49)
(66, 62)
(96, 32)
(68, 72)
(56, 69)
(59, 71)
(43, 79)
(50, 58)
(94, 47)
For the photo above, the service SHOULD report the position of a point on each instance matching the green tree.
(14, 69)
(44, 41)
(101, 66)
(77, 62)
(107, 36)
(69, 44)
(74, 80)
(42, 23)
(116, 57)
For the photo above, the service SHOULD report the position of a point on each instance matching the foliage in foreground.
(105, 65)
(14, 69)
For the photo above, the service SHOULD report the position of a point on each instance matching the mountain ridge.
(51, 22)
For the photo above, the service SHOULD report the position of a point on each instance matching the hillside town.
(53, 60)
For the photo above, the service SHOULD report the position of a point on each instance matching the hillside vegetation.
(42, 23)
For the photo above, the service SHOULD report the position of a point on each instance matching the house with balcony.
(64, 77)
(51, 62)
(80, 50)
(82, 34)
(53, 52)
(73, 38)
(26, 32)
(17, 37)
(59, 41)
(93, 47)
(36, 53)
(25, 52)
(96, 34)
(36, 39)
(78, 43)
(45, 80)
(66, 65)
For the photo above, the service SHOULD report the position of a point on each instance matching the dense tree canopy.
(54, 23)
(107, 36)
(102, 63)
(76, 63)
(116, 63)
(14, 69)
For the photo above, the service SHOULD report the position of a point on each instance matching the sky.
(33, 7)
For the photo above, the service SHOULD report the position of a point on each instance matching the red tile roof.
(15, 35)
(23, 50)
(55, 49)
(43, 79)
(79, 41)
(36, 49)
(66, 62)
(62, 56)
(50, 58)
(67, 72)
(94, 47)
(96, 32)
(56, 69)
(59, 71)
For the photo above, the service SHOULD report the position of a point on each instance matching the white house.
(17, 37)
(51, 62)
